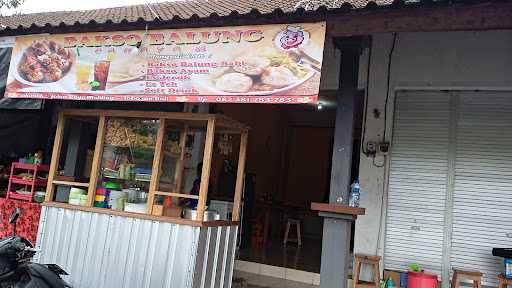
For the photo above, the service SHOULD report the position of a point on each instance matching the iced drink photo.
(101, 74)
(83, 72)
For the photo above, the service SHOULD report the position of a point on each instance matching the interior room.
(288, 167)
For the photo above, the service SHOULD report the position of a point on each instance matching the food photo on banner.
(242, 64)
(8, 103)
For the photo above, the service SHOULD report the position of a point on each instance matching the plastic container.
(83, 200)
(99, 201)
(131, 194)
(74, 195)
(117, 200)
(101, 191)
(39, 196)
(113, 186)
(421, 280)
(135, 207)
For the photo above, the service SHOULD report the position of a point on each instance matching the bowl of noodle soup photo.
(263, 72)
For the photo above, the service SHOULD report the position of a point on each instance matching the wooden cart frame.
(215, 124)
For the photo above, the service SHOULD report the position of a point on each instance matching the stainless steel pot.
(209, 215)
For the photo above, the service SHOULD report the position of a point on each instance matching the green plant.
(415, 267)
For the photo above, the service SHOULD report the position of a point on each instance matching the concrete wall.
(420, 61)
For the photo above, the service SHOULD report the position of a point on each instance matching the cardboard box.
(394, 275)
(172, 211)
(158, 210)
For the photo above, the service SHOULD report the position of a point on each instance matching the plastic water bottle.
(508, 268)
(355, 194)
(389, 283)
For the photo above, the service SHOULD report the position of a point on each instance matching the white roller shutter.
(418, 181)
(482, 207)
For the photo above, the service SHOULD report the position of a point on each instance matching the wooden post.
(96, 161)
(180, 165)
(157, 165)
(205, 173)
(337, 232)
(57, 145)
(240, 175)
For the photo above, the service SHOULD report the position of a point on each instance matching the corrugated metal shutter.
(482, 210)
(418, 181)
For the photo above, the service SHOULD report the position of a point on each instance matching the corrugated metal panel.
(215, 257)
(418, 181)
(99, 250)
(482, 218)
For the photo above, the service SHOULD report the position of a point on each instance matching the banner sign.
(241, 64)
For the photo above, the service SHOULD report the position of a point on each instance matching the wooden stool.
(504, 281)
(369, 260)
(474, 276)
(289, 223)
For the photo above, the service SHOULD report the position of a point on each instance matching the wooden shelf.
(338, 209)
(68, 183)
(187, 196)
(174, 220)
(122, 179)
(171, 155)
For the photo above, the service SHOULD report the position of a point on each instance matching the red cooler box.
(421, 280)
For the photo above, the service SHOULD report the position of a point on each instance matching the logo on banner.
(292, 37)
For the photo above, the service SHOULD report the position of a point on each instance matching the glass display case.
(159, 165)
(127, 162)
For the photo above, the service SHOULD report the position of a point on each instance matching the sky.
(34, 6)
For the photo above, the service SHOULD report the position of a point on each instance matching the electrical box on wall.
(384, 148)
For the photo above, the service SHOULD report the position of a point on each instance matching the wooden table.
(337, 209)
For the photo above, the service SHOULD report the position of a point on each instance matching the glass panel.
(126, 165)
(223, 174)
(182, 152)
(75, 162)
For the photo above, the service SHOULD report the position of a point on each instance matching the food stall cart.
(93, 233)
(120, 181)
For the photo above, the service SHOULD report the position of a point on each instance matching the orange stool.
(474, 276)
(504, 281)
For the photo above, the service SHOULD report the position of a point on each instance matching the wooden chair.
(461, 275)
(374, 261)
(504, 281)
(289, 223)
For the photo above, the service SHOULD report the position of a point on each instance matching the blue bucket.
(403, 279)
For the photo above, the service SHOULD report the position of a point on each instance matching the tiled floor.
(305, 258)
(278, 272)
(260, 281)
